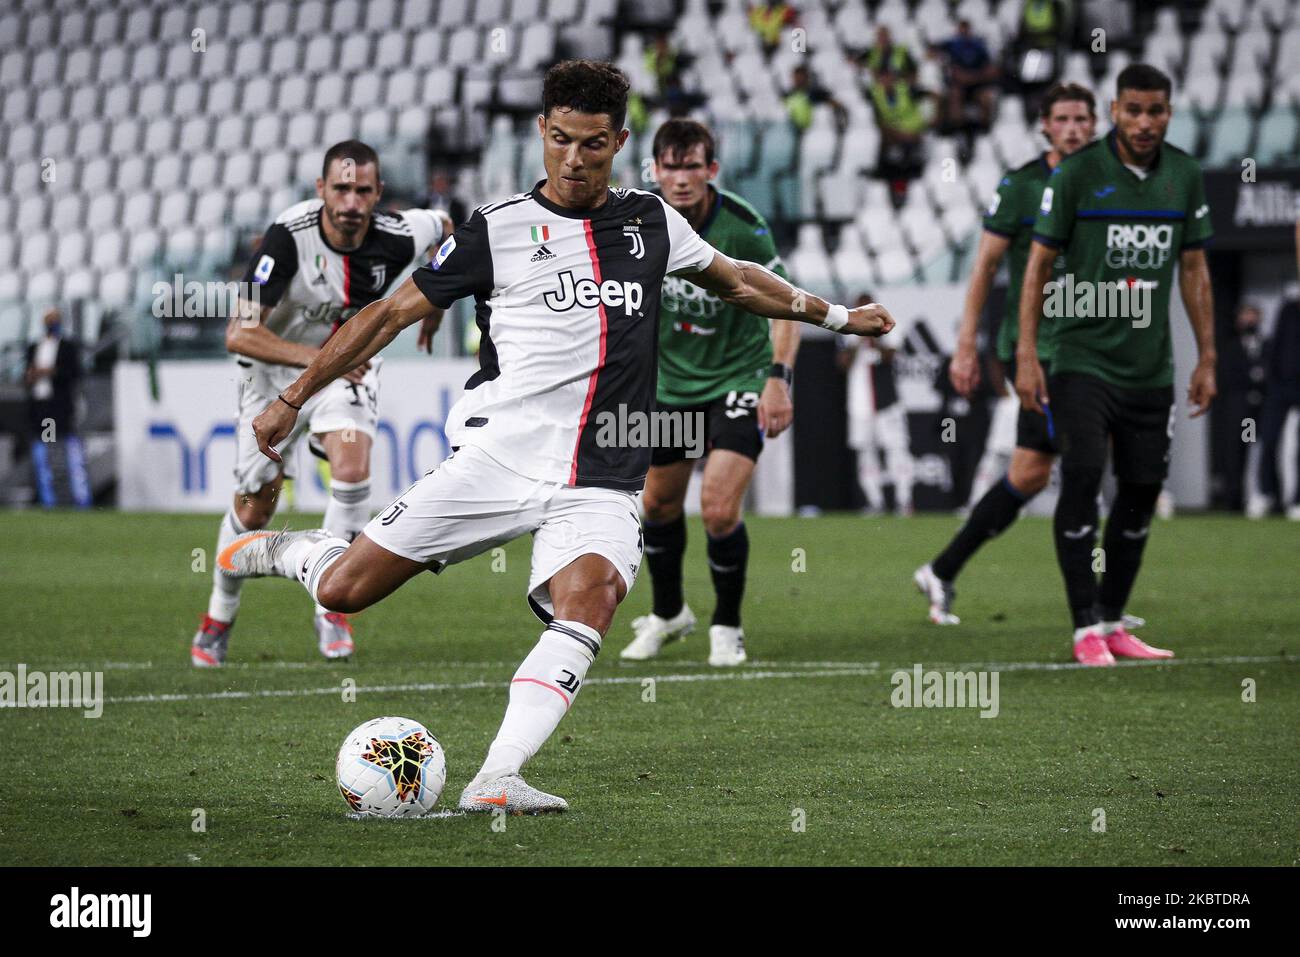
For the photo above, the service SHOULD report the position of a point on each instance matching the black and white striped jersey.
(310, 288)
(568, 306)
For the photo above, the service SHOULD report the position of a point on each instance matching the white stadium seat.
(237, 172)
(168, 172)
(102, 214)
(80, 66)
(267, 132)
(241, 20)
(231, 134)
(319, 55)
(339, 125)
(83, 104)
(43, 286)
(182, 61)
(79, 283)
(203, 171)
(277, 18)
(402, 90)
(215, 62)
(124, 140)
(426, 48)
(139, 26)
(345, 16)
(416, 14)
(56, 139)
(283, 58)
(302, 131)
(381, 15)
(51, 104)
(107, 27)
(174, 210)
(37, 250)
(151, 100)
(96, 175)
(329, 93)
(366, 91)
(115, 287)
(146, 63)
(211, 208)
(160, 136)
(72, 250)
(132, 174)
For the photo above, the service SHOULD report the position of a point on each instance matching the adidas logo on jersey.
(587, 293)
(542, 255)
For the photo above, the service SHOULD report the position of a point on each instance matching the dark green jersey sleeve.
(1005, 210)
(1198, 229)
(1056, 206)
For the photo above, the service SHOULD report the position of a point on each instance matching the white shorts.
(1002, 433)
(471, 503)
(339, 406)
(885, 429)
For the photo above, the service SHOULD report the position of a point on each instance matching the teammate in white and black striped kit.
(566, 279)
(319, 263)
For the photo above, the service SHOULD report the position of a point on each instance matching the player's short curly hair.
(586, 86)
(1067, 93)
(1143, 77)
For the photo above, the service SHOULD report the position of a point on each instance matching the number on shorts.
(740, 404)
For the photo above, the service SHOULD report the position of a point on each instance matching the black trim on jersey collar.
(567, 212)
(1042, 159)
(1113, 135)
(713, 213)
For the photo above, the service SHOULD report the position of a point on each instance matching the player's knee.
(1137, 499)
(1030, 478)
(350, 471)
(254, 515)
(1080, 483)
(720, 516)
(659, 509)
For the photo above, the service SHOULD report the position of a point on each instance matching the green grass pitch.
(797, 758)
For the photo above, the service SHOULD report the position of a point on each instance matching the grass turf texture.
(711, 771)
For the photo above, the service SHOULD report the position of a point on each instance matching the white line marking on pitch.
(847, 669)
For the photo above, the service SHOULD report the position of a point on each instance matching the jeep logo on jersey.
(1138, 245)
(586, 293)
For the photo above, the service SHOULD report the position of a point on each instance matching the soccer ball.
(391, 767)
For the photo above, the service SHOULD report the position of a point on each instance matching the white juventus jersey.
(568, 306)
(311, 288)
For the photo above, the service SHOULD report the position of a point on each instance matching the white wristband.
(837, 317)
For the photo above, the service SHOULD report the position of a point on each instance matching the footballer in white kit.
(318, 264)
(566, 280)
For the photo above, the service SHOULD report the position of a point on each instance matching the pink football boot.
(1124, 645)
(1091, 650)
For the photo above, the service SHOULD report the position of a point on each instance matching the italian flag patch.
(541, 234)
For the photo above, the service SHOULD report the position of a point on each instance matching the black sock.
(997, 509)
(728, 559)
(665, 544)
(1126, 537)
(1075, 529)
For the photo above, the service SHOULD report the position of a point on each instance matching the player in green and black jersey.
(726, 369)
(1069, 116)
(1124, 210)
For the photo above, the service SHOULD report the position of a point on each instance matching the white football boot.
(726, 646)
(939, 593)
(259, 554)
(512, 794)
(653, 632)
(334, 635)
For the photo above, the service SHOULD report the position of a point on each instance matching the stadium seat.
(895, 265)
(237, 172)
(267, 131)
(72, 250)
(107, 26)
(1230, 138)
(231, 133)
(339, 125)
(277, 18)
(140, 26)
(83, 104)
(249, 58)
(1230, 15)
(96, 175)
(851, 264)
(222, 98)
(138, 211)
(412, 124)
(115, 287)
(1206, 53)
(1250, 52)
(44, 286)
(160, 135)
(174, 210)
(302, 131)
(376, 126)
(1277, 135)
(1245, 88)
(118, 102)
(8, 249)
(311, 16)
(1273, 14)
(79, 68)
(56, 140)
(1202, 90)
(102, 214)
(525, 12)
(839, 194)
(283, 60)
(51, 104)
(416, 14)
(151, 100)
(125, 137)
(402, 90)
(187, 98)
(1183, 129)
(329, 93)
(293, 94)
(25, 178)
(79, 283)
(37, 250)
(319, 55)
(168, 172)
(537, 46)
(381, 15)
(211, 209)
(203, 171)
(345, 17)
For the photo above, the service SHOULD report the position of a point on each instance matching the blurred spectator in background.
(898, 106)
(885, 54)
(804, 94)
(972, 79)
(53, 369)
(769, 19)
(1242, 377)
(1040, 44)
(877, 420)
(666, 65)
(442, 196)
(1283, 395)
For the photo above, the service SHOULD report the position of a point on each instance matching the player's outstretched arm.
(1194, 284)
(247, 335)
(964, 370)
(763, 293)
(1031, 384)
(356, 341)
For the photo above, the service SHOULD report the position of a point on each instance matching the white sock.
(1110, 627)
(308, 561)
(347, 514)
(348, 509)
(869, 479)
(223, 604)
(541, 692)
(1082, 633)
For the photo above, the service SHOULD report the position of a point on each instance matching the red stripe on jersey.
(600, 362)
(347, 280)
